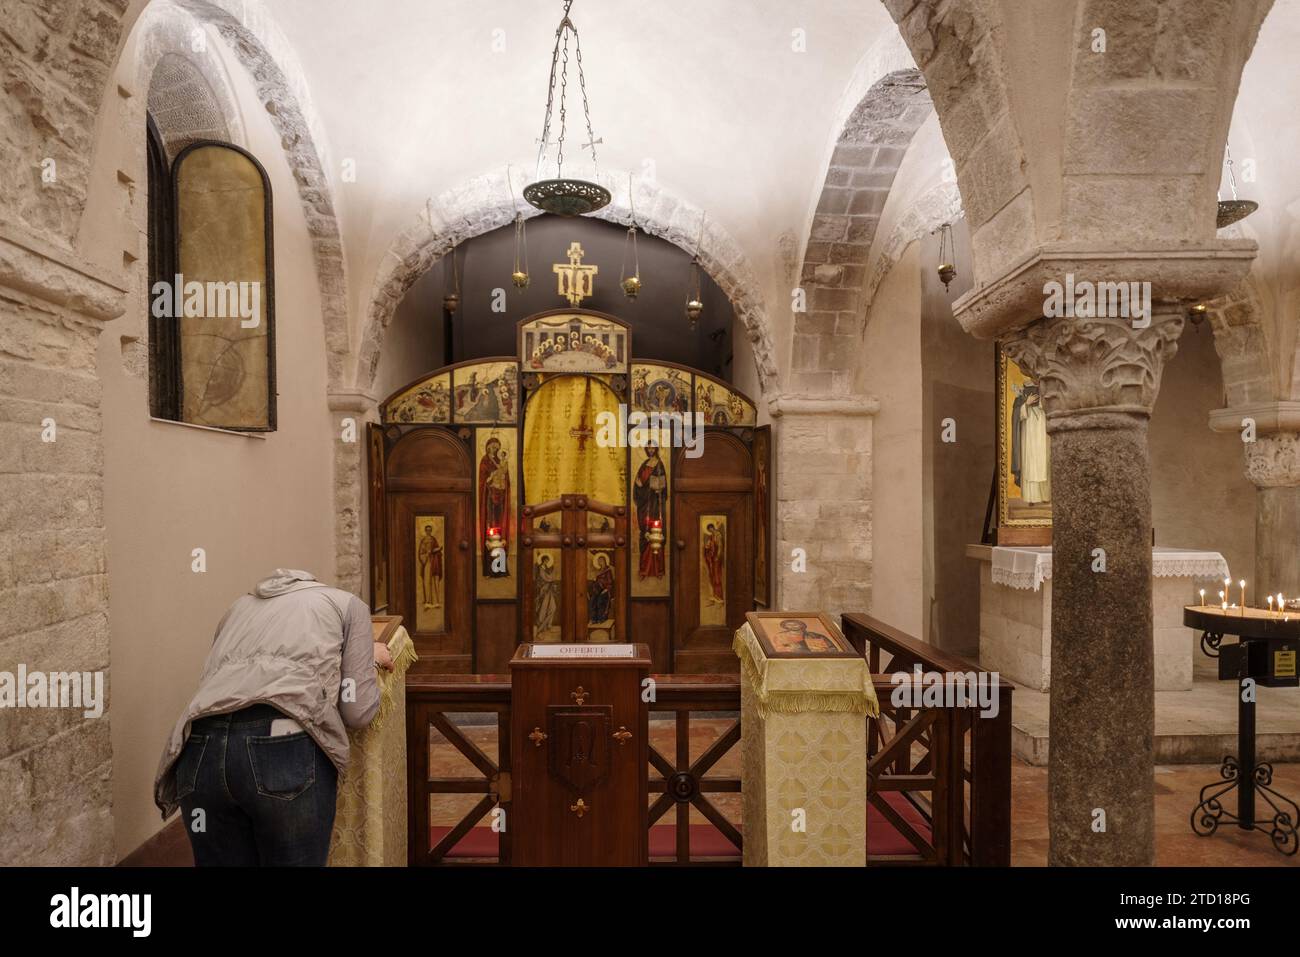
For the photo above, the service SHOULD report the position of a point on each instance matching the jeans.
(264, 801)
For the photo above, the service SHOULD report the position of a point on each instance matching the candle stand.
(1264, 656)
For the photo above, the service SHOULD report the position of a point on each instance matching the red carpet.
(707, 840)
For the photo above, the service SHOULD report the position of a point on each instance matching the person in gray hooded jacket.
(253, 762)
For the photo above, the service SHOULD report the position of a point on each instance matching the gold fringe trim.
(402, 649)
(796, 702)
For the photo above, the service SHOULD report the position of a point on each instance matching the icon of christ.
(494, 504)
(649, 494)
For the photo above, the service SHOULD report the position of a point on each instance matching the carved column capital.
(1096, 366)
(1273, 461)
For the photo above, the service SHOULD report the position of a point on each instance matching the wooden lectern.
(579, 739)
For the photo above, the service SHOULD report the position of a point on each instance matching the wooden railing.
(940, 776)
(680, 783)
(951, 764)
(429, 701)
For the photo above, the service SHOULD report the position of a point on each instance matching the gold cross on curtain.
(560, 455)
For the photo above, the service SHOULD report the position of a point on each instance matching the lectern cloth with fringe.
(370, 821)
(803, 757)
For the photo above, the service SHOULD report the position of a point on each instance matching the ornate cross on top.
(575, 282)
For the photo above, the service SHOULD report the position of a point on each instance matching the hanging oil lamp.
(520, 275)
(631, 284)
(565, 196)
(451, 301)
(947, 270)
(1233, 210)
(694, 306)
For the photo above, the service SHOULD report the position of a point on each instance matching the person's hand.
(382, 658)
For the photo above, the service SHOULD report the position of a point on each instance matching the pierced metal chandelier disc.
(1234, 211)
(567, 197)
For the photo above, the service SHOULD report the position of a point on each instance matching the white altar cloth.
(1028, 567)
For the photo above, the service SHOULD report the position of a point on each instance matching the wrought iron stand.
(1243, 772)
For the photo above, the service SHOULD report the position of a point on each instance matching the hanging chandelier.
(564, 196)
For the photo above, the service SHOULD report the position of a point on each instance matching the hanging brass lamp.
(562, 195)
(631, 284)
(947, 268)
(1233, 210)
(451, 300)
(694, 305)
(520, 275)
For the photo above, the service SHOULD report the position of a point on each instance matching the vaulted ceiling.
(715, 101)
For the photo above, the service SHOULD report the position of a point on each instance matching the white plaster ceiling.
(712, 94)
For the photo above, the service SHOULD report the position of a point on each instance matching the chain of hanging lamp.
(565, 197)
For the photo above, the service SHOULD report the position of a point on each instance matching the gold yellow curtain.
(561, 453)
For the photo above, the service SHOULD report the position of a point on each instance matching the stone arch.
(867, 154)
(955, 45)
(1146, 121)
(1240, 340)
(483, 204)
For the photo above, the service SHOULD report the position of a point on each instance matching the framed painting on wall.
(1024, 478)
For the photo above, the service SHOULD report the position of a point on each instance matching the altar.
(1016, 611)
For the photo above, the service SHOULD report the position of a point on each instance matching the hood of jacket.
(282, 581)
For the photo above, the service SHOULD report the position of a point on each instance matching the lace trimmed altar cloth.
(1028, 567)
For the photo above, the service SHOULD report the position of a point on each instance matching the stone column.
(1099, 379)
(350, 557)
(822, 462)
(1273, 464)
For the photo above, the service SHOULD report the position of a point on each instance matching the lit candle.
(1224, 598)
(1202, 597)
(1243, 596)
(1270, 604)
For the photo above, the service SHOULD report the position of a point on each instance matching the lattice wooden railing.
(683, 784)
(941, 777)
(430, 699)
(951, 765)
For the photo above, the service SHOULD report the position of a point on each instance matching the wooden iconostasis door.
(578, 591)
(713, 542)
(430, 535)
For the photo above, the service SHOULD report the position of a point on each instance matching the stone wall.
(823, 505)
(55, 763)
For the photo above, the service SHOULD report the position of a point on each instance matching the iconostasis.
(569, 493)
